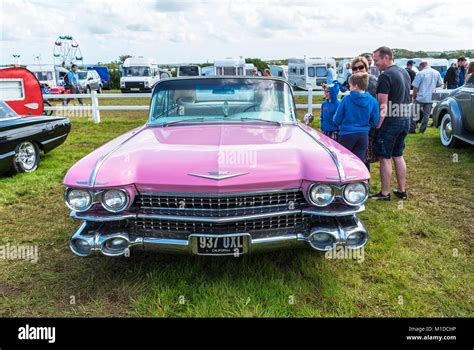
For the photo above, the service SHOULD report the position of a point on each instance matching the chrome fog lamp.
(114, 200)
(355, 238)
(115, 244)
(80, 246)
(78, 200)
(321, 195)
(355, 193)
(322, 241)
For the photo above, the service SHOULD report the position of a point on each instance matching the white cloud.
(196, 31)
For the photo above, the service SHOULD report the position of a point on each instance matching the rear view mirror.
(308, 118)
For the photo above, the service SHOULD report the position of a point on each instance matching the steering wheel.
(254, 106)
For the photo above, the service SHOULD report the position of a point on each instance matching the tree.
(122, 58)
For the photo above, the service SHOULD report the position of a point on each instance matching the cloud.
(138, 27)
(173, 5)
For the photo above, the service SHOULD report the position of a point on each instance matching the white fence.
(95, 107)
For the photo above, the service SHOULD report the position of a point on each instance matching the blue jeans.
(452, 86)
(356, 143)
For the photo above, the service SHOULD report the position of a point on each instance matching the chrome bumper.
(86, 241)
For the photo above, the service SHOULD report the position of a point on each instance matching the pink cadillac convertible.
(222, 167)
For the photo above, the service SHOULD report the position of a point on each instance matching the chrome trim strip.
(6, 155)
(216, 219)
(340, 169)
(182, 210)
(102, 159)
(334, 213)
(102, 218)
(217, 177)
(224, 194)
(53, 139)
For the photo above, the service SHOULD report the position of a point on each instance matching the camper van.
(139, 74)
(279, 71)
(49, 76)
(230, 66)
(308, 73)
(188, 70)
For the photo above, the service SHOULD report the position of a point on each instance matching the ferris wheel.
(67, 51)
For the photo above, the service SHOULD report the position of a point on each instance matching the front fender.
(451, 106)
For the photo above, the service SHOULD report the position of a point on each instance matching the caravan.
(49, 76)
(308, 73)
(230, 66)
(139, 74)
(279, 71)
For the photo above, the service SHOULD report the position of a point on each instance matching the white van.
(230, 66)
(139, 74)
(188, 70)
(440, 64)
(308, 73)
(279, 71)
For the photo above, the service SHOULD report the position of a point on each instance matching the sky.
(201, 31)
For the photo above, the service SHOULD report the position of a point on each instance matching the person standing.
(72, 83)
(266, 73)
(411, 72)
(361, 65)
(462, 62)
(393, 95)
(330, 74)
(470, 70)
(452, 77)
(424, 85)
(355, 115)
(373, 70)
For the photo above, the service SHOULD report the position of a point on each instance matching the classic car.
(21, 90)
(222, 167)
(454, 115)
(22, 138)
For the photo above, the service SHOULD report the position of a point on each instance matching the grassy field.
(418, 261)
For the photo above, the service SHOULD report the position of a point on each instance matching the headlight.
(114, 200)
(355, 194)
(78, 200)
(321, 195)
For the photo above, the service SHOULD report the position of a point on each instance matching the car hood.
(217, 158)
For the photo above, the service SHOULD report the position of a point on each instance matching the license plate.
(235, 244)
(135, 89)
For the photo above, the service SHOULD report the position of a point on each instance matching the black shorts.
(390, 138)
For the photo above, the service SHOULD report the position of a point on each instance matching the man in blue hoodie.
(356, 114)
(328, 110)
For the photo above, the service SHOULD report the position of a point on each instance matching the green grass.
(418, 261)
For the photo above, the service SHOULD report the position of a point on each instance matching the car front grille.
(220, 205)
(134, 84)
(256, 227)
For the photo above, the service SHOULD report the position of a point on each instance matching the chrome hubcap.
(447, 130)
(27, 156)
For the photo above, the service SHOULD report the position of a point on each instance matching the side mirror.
(308, 118)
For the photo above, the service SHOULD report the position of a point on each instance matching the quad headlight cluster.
(321, 195)
(81, 200)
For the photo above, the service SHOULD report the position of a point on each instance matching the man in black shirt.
(411, 72)
(393, 95)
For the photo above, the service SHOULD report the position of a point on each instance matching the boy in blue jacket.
(328, 110)
(355, 115)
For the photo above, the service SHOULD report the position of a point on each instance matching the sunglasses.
(356, 68)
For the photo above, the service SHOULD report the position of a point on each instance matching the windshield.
(222, 99)
(136, 72)
(6, 111)
(188, 71)
(81, 75)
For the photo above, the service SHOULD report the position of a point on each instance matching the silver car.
(89, 80)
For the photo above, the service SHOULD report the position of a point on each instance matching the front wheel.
(45, 112)
(99, 90)
(27, 158)
(446, 132)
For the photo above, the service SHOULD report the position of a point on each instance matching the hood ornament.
(217, 175)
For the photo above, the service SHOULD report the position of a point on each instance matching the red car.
(21, 90)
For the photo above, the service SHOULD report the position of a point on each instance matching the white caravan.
(230, 66)
(139, 74)
(188, 70)
(308, 73)
(208, 71)
(342, 71)
(279, 71)
(47, 74)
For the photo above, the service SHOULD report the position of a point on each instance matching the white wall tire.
(446, 132)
